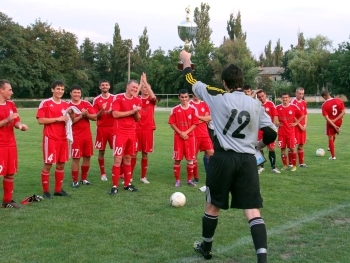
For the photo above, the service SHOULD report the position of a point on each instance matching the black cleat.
(47, 195)
(85, 182)
(114, 190)
(195, 180)
(131, 188)
(198, 248)
(61, 193)
(11, 204)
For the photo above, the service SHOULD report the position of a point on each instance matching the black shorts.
(235, 173)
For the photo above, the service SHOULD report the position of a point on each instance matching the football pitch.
(307, 212)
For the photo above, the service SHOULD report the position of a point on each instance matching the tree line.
(34, 56)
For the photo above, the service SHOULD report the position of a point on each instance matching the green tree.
(13, 51)
(278, 54)
(119, 58)
(268, 55)
(142, 53)
(231, 27)
(235, 52)
(202, 19)
(234, 27)
(88, 57)
(103, 63)
(337, 72)
(304, 67)
(201, 59)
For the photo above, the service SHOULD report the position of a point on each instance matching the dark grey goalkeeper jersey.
(236, 116)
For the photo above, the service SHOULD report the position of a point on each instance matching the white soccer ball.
(177, 199)
(320, 152)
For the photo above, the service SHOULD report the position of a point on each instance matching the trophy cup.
(187, 31)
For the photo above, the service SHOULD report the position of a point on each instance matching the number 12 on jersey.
(237, 133)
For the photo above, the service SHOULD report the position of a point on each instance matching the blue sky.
(261, 20)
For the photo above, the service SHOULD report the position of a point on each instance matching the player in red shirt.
(51, 114)
(287, 114)
(9, 119)
(145, 127)
(270, 109)
(333, 110)
(82, 146)
(300, 129)
(203, 141)
(125, 111)
(183, 120)
(104, 132)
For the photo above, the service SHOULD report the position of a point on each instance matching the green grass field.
(307, 212)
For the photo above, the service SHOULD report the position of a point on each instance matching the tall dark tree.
(202, 19)
(305, 66)
(119, 58)
(278, 54)
(234, 27)
(238, 27)
(231, 27)
(336, 73)
(141, 54)
(235, 52)
(201, 58)
(268, 55)
(13, 51)
(88, 65)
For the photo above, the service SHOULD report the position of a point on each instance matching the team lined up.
(126, 122)
(291, 119)
(119, 119)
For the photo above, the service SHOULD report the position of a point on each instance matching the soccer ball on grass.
(320, 152)
(177, 199)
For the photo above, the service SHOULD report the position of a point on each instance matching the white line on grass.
(273, 231)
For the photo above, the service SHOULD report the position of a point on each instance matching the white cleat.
(275, 171)
(203, 188)
(144, 180)
(260, 170)
(104, 177)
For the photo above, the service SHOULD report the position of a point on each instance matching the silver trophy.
(187, 31)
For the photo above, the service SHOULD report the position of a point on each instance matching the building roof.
(270, 70)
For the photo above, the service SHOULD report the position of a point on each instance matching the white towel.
(69, 123)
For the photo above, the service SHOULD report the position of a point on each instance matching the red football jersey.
(184, 118)
(332, 108)
(50, 109)
(7, 135)
(81, 129)
(147, 114)
(270, 109)
(106, 119)
(202, 109)
(302, 106)
(122, 103)
(286, 116)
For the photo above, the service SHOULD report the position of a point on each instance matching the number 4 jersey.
(236, 116)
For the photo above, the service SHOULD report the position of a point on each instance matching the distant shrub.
(27, 103)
